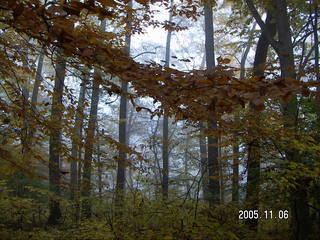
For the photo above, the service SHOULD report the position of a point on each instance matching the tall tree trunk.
(186, 167)
(55, 141)
(121, 170)
(213, 164)
(75, 168)
(128, 133)
(235, 174)
(317, 69)
(35, 91)
(165, 128)
(89, 143)
(203, 162)
(25, 147)
(253, 162)
(99, 165)
(165, 158)
(221, 171)
(203, 151)
(121, 173)
(299, 203)
(246, 52)
(76, 140)
(235, 148)
(316, 55)
(25, 94)
(37, 80)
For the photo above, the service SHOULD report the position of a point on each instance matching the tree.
(300, 208)
(75, 167)
(203, 162)
(55, 140)
(97, 78)
(284, 50)
(122, 161)
(165, 141)
(75, 143)
(38, 79)
(253, 162)
(213, 164)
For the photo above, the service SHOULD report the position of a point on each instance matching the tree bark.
(317, 69)
(55, 141)
(213, 164)
(35, 91)
(253, 162)
(121, 170)
(235, 174)
(165, 129)
(299, 202)
(186, 168)
(235, 147)
(203, 162)
(76, 140)
(37, 80)
(89, 143)
(245, 53)
(99, 165)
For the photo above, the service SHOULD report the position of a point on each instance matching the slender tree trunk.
(128, 133)
(299, 199)
(75, 168)
(25, 147)
(235, 174)
(246, 52)
(165, 158)
(203, 150)
(316, 55)
(221, 171)
(213, 164)
(121, 171)
(38, 79)
(55, 141)
(203, 162)
(186, 167)
(79, 172)
(165, 129)
(99, 166)
(76, 140)
(235, 148)
(25, 94)
(317, 69)
(35, 91)
(253, 162)
(89, 143)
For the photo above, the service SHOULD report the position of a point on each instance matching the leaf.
(223, 61)
(286, 98)
(259, 107)
(87, 52)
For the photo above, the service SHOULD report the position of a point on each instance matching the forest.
(159, 119)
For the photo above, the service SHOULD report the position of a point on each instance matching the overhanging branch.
(262, 25)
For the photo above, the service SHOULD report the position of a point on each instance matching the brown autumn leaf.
(286, 97)
(305, 91)
(223, 61)
(87, 52)
(259, 107)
